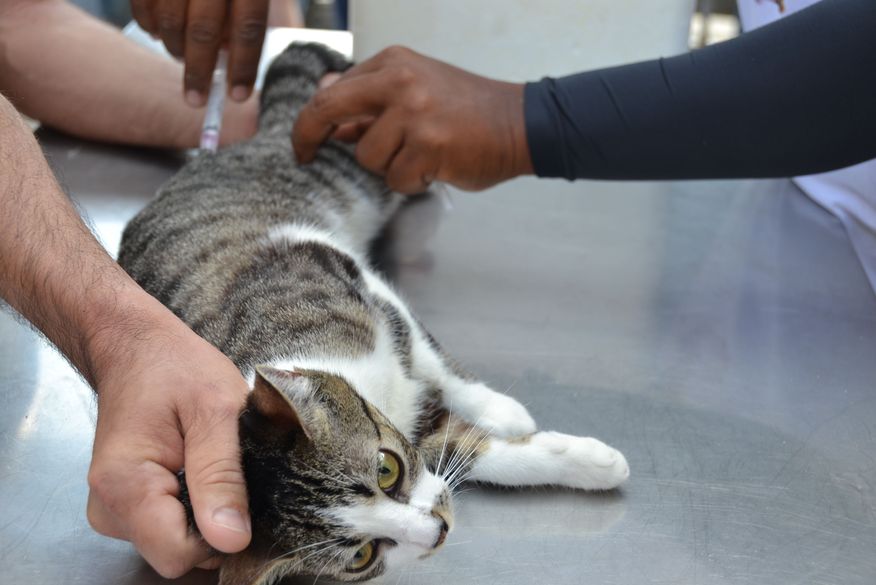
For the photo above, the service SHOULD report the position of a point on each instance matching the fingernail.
(231, 519)
(194, 98)
(239, 93)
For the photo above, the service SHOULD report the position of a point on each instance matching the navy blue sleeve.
(792, 98)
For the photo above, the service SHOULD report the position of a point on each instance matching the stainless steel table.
(721, 334)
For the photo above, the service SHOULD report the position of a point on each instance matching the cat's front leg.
(550, 458)
(482, 406)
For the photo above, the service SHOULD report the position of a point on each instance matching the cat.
(358, 427)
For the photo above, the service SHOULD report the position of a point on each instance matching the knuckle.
(204, 32)
(194, 78)
(431, 138)
(99, 481)
(368, 159)
(225, 407)
(404, 76)
(395, 52)
(169, 22)
(224, 471)
(418, 100)
(321, 101)
(250, 32)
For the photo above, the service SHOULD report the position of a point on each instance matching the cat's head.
(335, 489)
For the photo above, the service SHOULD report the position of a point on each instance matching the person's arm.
(795, 97)
(70, 71)
(166, 398)
(792, 98)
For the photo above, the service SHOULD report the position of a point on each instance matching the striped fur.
(267, 261)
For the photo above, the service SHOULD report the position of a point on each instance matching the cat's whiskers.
(460, 455)
(452, 463)
(326, 564)
(463, 472)
(460, 474)
(335, 478)
(310, 554)
(340, 473)
(446, 434)
(305, 547)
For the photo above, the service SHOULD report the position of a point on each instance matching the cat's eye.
(389, 470)
(363, 557)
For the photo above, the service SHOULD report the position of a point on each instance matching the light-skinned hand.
(167, 399)
(417, 120)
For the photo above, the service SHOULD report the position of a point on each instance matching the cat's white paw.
(505, 417)
(587, 463)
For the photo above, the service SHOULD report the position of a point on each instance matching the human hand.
(417, 120)
(195, 30)
(167, 399)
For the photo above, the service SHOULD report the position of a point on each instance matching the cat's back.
(212, 222)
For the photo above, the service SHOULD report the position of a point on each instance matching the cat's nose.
(442, 532)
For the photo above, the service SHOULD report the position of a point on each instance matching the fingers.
(345, 101)
(248, 21)
(328, 79)
(142, 12)
(138, 503)
(102, 520)
(203, 38)
(410, 171)
(161, 536)
(170, 24)
(379, 145)
(195, 30)
(214, 475)
(353, 131)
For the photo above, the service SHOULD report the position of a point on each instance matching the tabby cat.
(358, 427)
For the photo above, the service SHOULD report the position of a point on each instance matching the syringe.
(215, 105)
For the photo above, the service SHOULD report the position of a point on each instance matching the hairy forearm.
(75, 73)
(52, 269)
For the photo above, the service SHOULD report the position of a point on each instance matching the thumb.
(215, 478)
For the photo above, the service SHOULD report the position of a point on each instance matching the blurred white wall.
(522, 40)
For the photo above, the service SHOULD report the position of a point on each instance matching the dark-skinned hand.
(195, 30)
(417, 120)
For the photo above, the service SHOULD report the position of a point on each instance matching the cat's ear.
(252, 567)
(274, 396)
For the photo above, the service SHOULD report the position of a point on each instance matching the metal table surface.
(721, 334)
